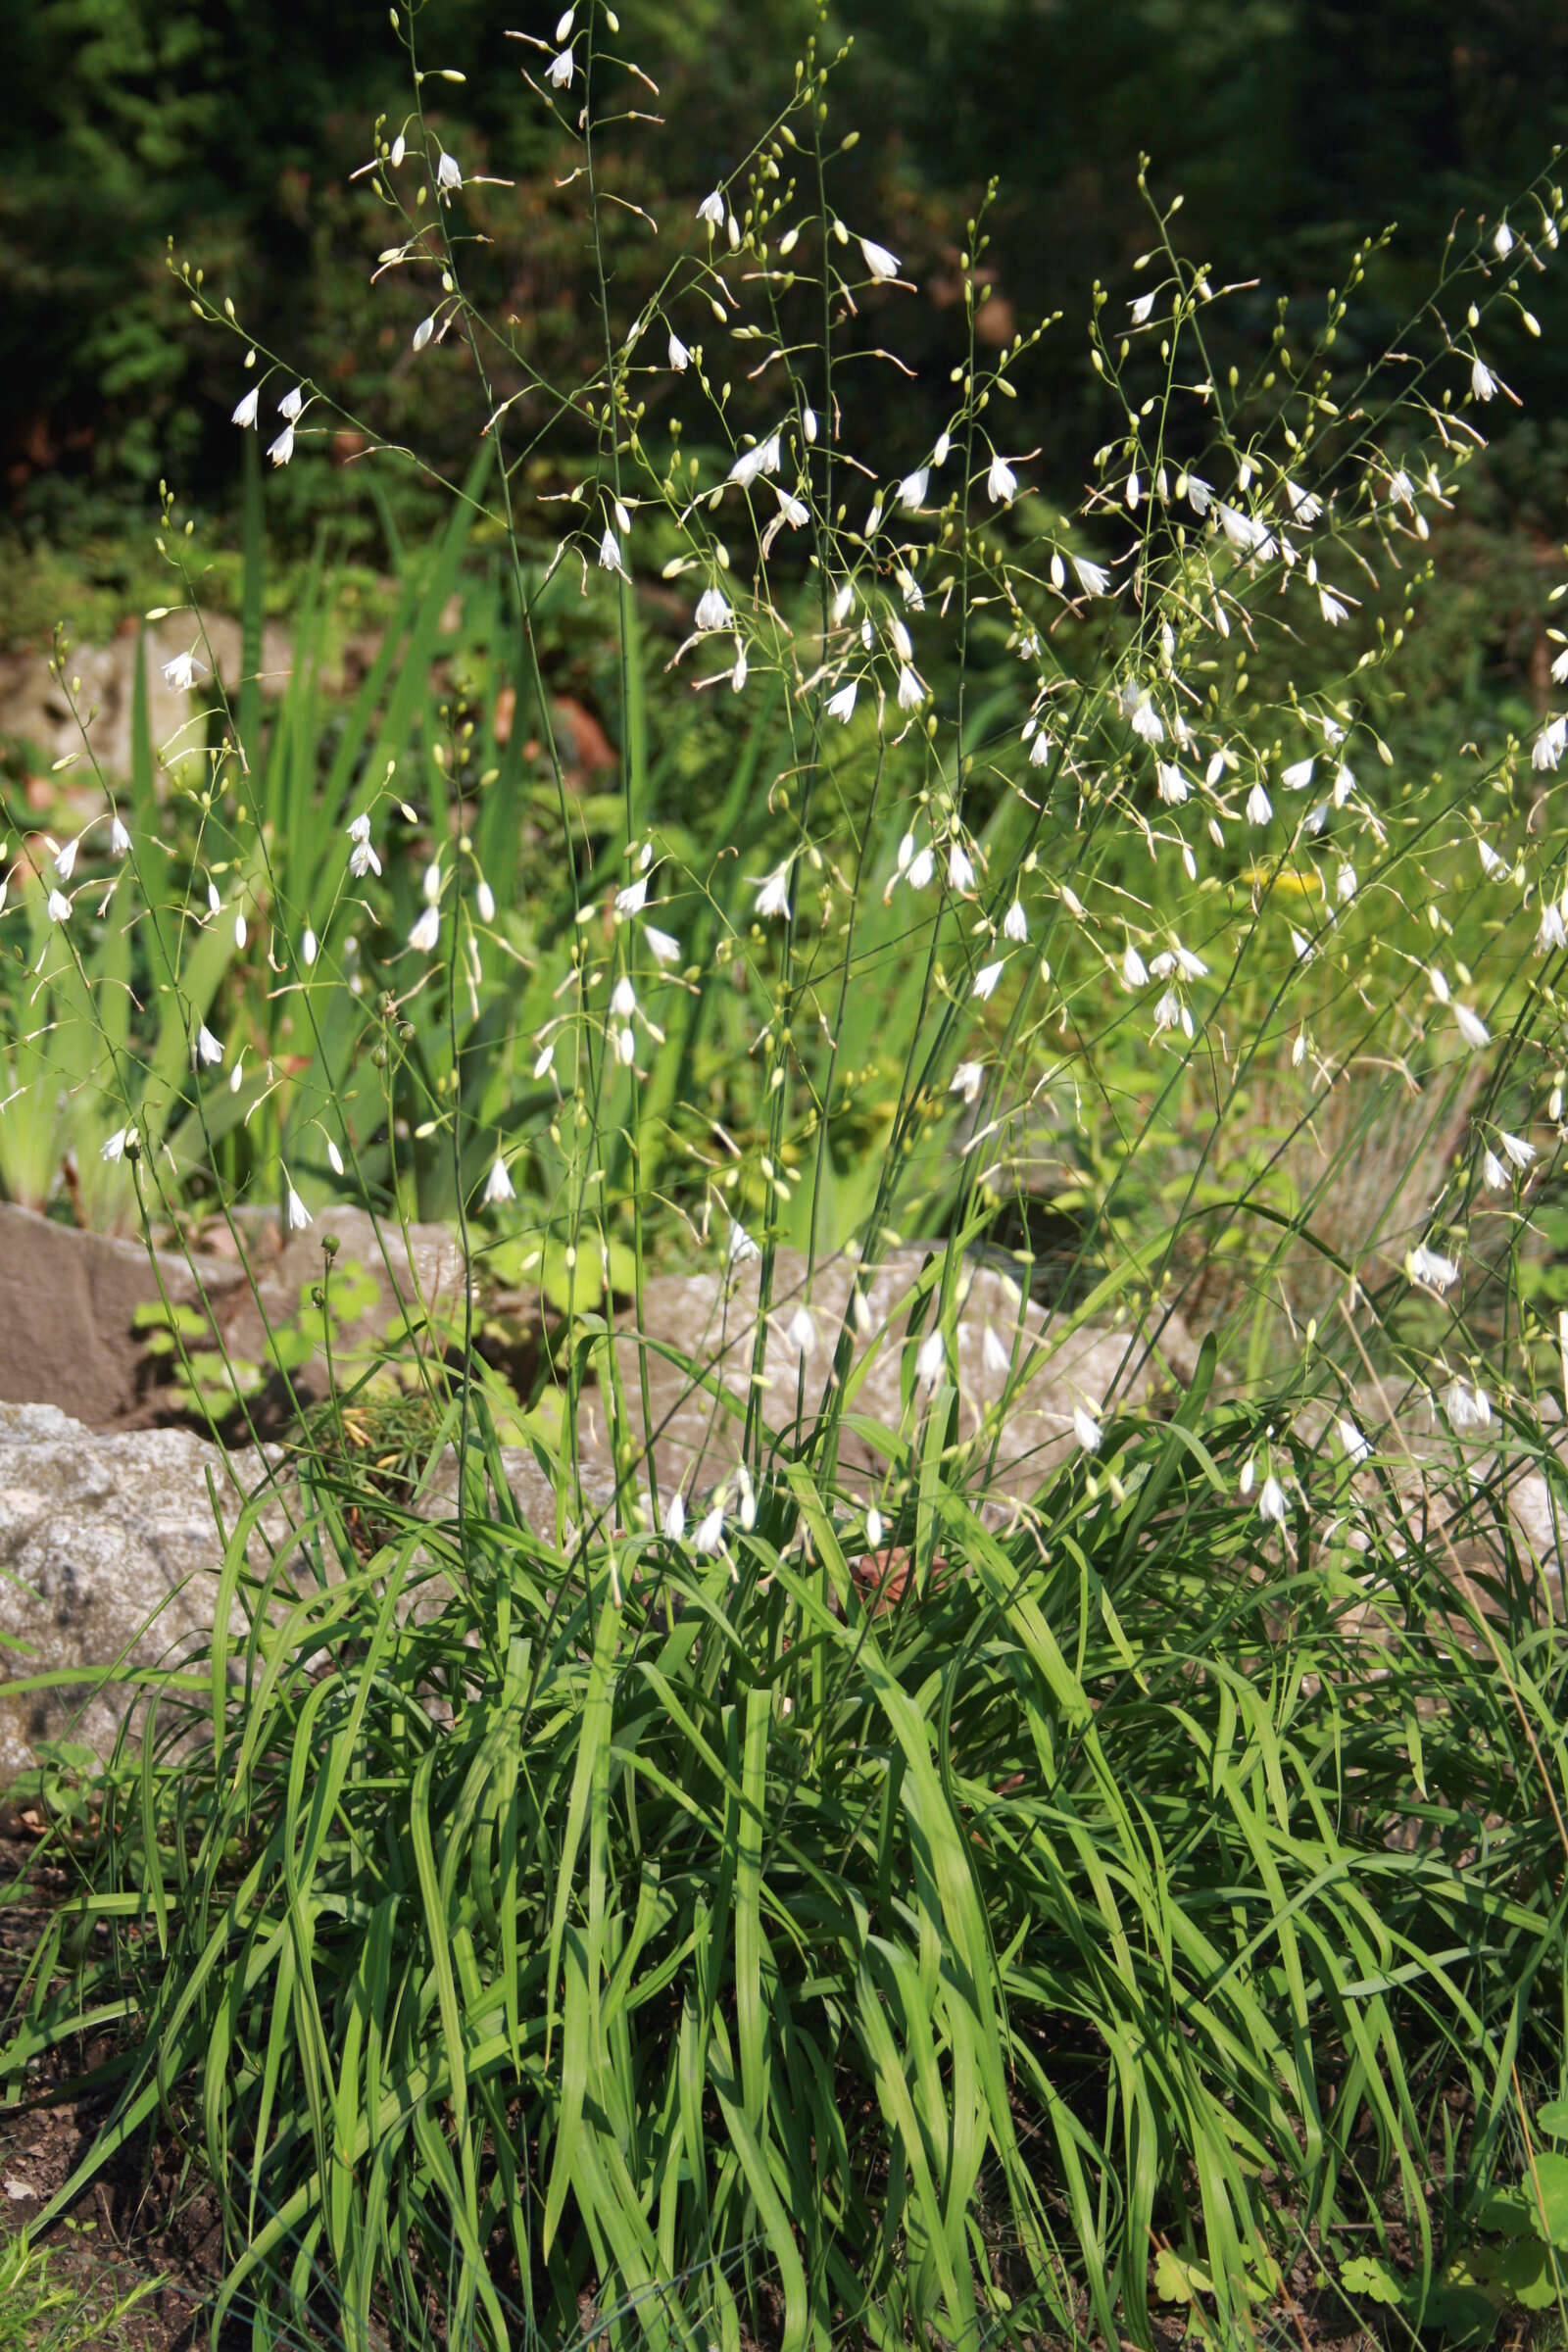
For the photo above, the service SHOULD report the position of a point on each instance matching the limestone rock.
(110, 1551)
(710, 1319)
(377, 1273)
(1465, 1504)
(33, 706)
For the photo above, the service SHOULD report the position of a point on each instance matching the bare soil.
(140, 2224)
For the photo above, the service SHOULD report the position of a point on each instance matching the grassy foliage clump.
(722, 1939)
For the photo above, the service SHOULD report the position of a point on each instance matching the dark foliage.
(1293, 126)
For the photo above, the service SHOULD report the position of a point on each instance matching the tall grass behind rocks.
(908, 1907)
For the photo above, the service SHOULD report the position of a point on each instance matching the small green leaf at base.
(1371, 2280)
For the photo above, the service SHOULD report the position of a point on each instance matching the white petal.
(1085, 1429)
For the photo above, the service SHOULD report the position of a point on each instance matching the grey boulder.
(701, 1331)
(110, 1553)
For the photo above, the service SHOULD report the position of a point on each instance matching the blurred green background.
(1291, 126)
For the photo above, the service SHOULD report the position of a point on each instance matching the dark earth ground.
(139, 2226)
